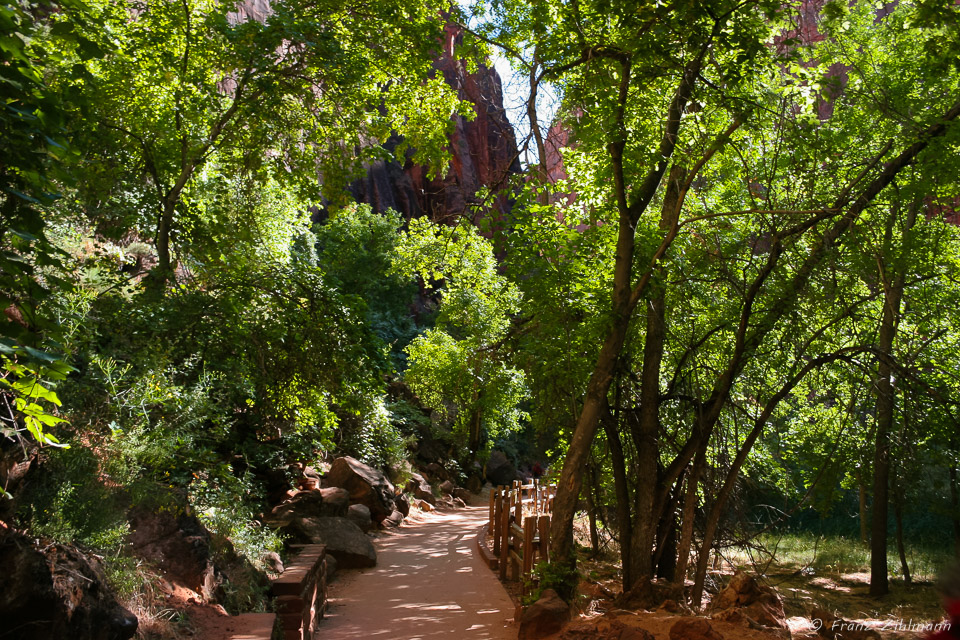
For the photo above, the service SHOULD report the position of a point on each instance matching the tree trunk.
(689, 513)
(864, 519)
(592, 511)
(898, 519)
(892, 294)
(164, 269)
(622, 491)
(623, 302)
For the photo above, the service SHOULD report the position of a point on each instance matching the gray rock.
(499, 469)
(344, 540)
(366, 485)
(359, 514)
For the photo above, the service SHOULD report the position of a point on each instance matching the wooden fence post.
(495, 529)
(518, 518)
(493, 499)
(529, 531)
(543, 524)
(504, 536)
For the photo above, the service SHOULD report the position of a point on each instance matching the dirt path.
(428, 583)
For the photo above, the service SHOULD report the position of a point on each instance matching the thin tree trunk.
(689, 513)
(892, 295)
(898, 519)
(864, 518)
(571, 475)
(592, 511)
(622, 491)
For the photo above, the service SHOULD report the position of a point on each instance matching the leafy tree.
(458, 367)
(307, 90)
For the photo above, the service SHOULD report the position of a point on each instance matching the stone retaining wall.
(301, 592)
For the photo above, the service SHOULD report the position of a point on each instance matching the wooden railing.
(520, 526)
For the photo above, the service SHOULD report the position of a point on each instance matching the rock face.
(544, 617)
(748, 597)
(693, 629)
(499, 469)
(484, 152)
(345, 541)
(366, 486)
(56, 592)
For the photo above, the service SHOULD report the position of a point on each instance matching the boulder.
(331, 565)
(403, 504)
(436, 471)
(475, 484)
(366, 485)
(458, 503)
(544, 617)
(420, 488)
(635, 633)
(447, 486)
(499, 469)
(393, 520)
(57, 592)
(360, 515)
(694, 629)
(320, 503)
(424, 506)
(271, 560)
(335, 502)
(757, 602)
(344, 540)
(178, 544)
(462, 493)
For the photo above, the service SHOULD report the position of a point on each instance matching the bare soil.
(428, 583)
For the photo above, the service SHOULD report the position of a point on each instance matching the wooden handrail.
(519, 538)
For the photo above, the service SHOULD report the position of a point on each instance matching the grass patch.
(837, 555)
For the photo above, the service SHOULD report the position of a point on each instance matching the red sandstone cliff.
(484, 152)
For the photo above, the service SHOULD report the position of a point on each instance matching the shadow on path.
(428, 583)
